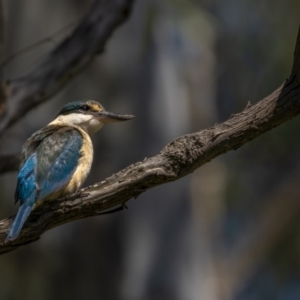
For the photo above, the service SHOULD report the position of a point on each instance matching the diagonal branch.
(56, 69)
(179, 158)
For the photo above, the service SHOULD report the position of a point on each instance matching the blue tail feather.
(19, 221)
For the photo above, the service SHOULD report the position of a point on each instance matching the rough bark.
(179, 158)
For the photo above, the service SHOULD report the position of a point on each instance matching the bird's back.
(62, 160)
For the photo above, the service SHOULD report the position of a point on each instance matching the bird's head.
(89, 115)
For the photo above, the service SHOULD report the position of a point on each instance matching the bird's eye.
(85, 108)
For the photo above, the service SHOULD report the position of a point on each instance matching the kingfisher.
(56, 160)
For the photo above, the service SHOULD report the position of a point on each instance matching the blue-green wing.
(26, 184)
(49, 159)
(57, 159)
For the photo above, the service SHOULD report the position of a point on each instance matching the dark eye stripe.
(85, 108)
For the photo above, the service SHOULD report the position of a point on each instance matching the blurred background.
(230, 230)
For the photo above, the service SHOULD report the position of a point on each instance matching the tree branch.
(56, 69)
(179, 158)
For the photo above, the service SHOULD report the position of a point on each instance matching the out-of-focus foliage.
(228, 231)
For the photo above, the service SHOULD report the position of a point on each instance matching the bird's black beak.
(109, 117)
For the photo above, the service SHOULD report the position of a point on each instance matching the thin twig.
(49, 39)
